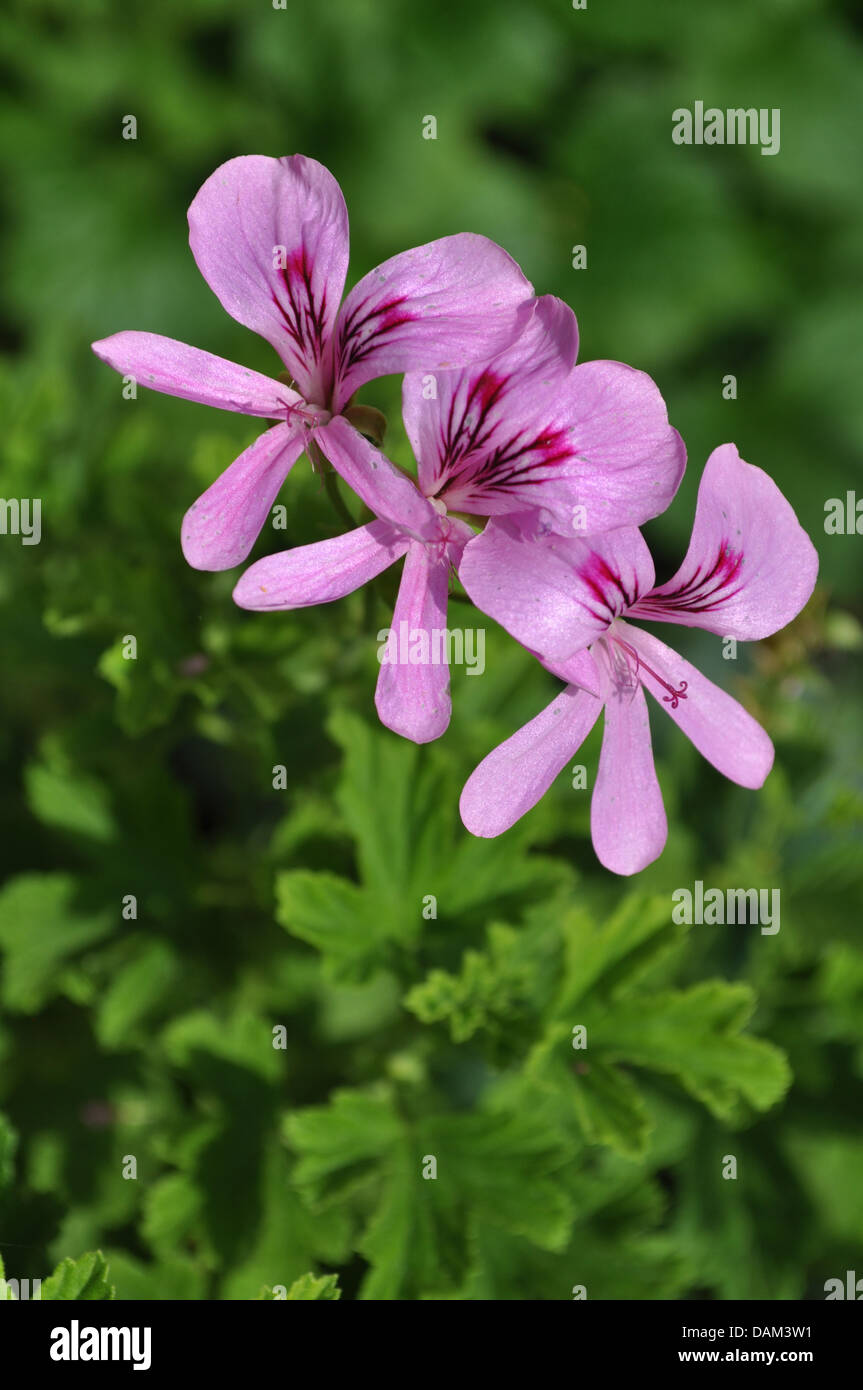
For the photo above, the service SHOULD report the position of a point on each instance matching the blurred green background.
(152, 1037)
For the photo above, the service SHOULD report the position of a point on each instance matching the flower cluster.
(559, 463)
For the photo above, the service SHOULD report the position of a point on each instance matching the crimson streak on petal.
(305, 320)
(355, 344)
(701, 592)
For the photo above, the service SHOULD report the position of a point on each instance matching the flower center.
(310, 412)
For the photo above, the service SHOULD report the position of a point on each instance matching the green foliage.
(318, 1042)
(400, 851)
(85, 1278)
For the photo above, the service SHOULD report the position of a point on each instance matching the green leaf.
(612, 956)
(425, 1182)
(695, 1035)
(610, 1108)
(61, 797)
(40, 931)
(243, 1038)
(84, 1278)
(312, 1287)
(147, 690)
(171, 1209)
(414, 845)
(340, 1142)
(176, 1278)
(492, 1159)
(134, 991)
(414, 861)
(414, 1237)
(491, 985)
(335, 916)
(8, 1147)
(289, 1237)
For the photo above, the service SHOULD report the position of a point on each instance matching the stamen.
(673, 697)
(311, 415)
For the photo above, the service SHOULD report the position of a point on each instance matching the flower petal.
(390, 494)
(163, 364)
(579, 670)
(270, 237)
(750, 566)
(487, 442)
(628, 460)
(412, 697)
(721, 729)
(553, 594)
(457, 300)
(627, 817)
(322, 572)
(516, 774)
(220, 528)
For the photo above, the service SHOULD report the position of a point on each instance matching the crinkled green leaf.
(312, 1287)
(490, 986)
(84, 1278)
(695, 1035)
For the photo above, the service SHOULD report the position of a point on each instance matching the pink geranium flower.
(528, 434)
(270, 237)
(749, 570)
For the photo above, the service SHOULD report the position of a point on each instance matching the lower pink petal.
(579, 670)
(627, 817)
(322, 572)
(516, 774)
(720, 728)
(388, 492)
(220, 528)
(413, 699)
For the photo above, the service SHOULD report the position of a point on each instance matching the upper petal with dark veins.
(485, 438)
(750, 566)
(589, 447)
(453, 301)
(270, 237)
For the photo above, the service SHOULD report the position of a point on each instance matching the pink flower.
(750, 568)
(270, 237)
(413, 700)
(586, 448)
(527, 434)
